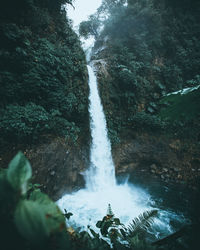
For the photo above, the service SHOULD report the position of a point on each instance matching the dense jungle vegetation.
(151, 48)
(43, 75)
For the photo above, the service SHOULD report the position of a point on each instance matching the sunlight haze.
(83, 9)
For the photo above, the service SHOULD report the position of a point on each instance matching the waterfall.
(89, 205)
(101, 173)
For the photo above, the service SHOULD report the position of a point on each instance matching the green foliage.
(133, 235)
(67, 215)
(38, 218)
(180, 113)
(145, 121)
(181, 107)
(43, 83)
(141, 224)
(104, 225)
(19, 122)
(26, 123)
(85, 29)
(28, 216)
(19, 7)
(30, 221)
(19, 173)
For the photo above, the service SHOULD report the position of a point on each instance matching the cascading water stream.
(127, 201)
(101, 173)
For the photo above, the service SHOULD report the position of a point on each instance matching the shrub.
(146, 121)
(26, 123)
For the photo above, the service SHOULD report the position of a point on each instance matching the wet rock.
(123, 169)
(55, 188)
(101, 67)
(175, 145)
(153, 166)
(127, 168)
(160, 155)
(52, 173)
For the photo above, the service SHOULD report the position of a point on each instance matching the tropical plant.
(133, 235)
(141, 223)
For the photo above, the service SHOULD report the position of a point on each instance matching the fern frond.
(141, 223)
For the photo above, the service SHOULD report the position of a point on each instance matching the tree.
(90, 27)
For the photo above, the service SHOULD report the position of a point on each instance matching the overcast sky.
(83, 8)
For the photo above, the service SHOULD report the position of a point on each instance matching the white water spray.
(101, 174)
(90, 204)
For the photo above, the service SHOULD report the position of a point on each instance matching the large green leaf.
(19, 172)
(99, 224)
(105, 226)
(55, 220)
(38, 218)
(30, 220)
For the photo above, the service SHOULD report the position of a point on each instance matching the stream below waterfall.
(127, 200)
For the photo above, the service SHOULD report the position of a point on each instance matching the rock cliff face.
(57, 164)
(167, 158)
